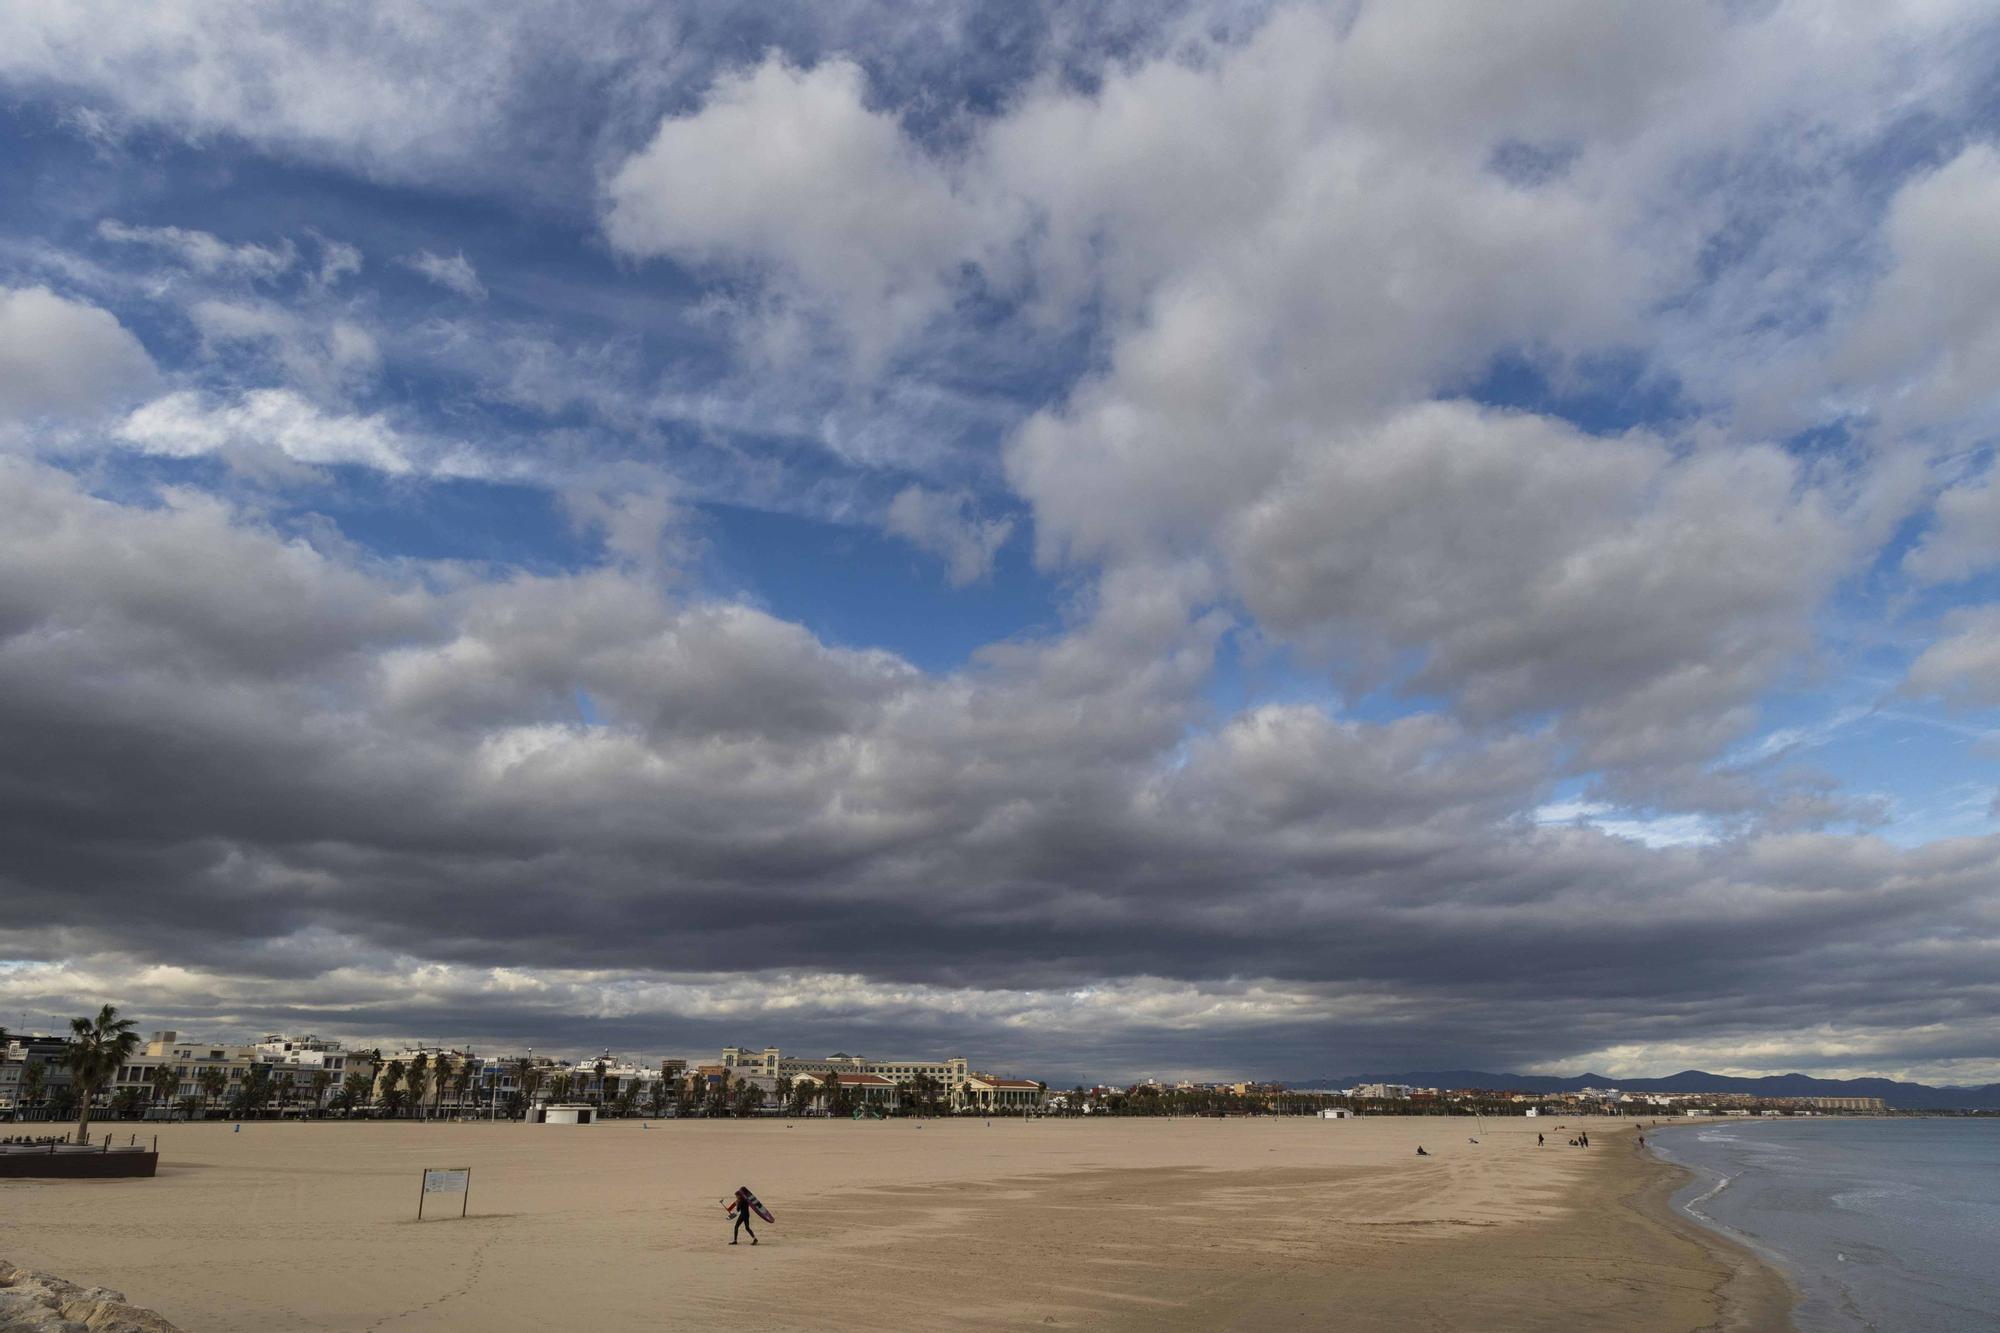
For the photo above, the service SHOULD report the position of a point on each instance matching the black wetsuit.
(742, 1219)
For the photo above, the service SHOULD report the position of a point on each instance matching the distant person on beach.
(1421, 1152)
(1585, 1136)
(1538, 1140)
(742, 1211)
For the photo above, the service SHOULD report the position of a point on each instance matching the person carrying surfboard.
(742, 1206)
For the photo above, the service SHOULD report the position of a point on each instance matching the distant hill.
(1902, 1096)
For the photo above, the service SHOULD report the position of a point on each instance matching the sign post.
(446, 1180)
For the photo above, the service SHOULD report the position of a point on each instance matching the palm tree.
(441, 1070)
(166, 1079)
(528, 1075)
(415, 1078)
(462, 1079)
(212, 1080)
(354, 1090)
(256, 1090)
(322, 1079)
(559, 1086)
(392, 1078)
(97, 1049)
(660, 1092)
(33, 1076)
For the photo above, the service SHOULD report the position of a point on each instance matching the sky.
(1173, 540)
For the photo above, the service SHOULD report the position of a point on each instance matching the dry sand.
(1111, 1223)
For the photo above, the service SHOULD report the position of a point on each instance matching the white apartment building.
(310, 1053)
(291, 1062)
(606, 1078)
(302, 1058)
(187, 1059)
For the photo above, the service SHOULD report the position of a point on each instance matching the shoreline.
(1758, 1292)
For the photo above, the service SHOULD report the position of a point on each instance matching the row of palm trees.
(99, 1047)
(410, 1085)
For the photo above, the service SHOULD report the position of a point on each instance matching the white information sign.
(446, 1180)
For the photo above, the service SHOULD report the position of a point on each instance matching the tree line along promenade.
(102, 1069)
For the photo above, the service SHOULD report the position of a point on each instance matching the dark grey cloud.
(392, 803)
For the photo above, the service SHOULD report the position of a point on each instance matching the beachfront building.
(606, 1081)
(498, 1079)
(949, 1074)
(983, 1092)
(862, 1089)
(172, 1075)
(30, 1095)
(1871, 1104)
(205, 1073)
(449, 1077)
(308, 1070)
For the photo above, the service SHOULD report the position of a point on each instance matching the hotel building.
(773, 1064)
(964, 1088)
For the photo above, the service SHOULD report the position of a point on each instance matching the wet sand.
(1113, 1223)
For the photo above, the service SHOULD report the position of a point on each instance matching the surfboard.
(756, 1206)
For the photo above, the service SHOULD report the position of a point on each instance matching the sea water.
(1889, 1224)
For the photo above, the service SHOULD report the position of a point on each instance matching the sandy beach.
(1114, 1223)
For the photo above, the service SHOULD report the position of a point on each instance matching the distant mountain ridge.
(1901, 1096)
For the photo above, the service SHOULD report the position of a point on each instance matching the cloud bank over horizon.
(1275, 539)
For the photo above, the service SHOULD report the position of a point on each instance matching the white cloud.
(453, 271)
(64, 357)
(205, 253)
(944, 524)
(186, 425)
(447, 91)
(1963, 665)
(790, 167)
(337, 260)
(1928, 340)
(323, 351)
(1964, 538)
